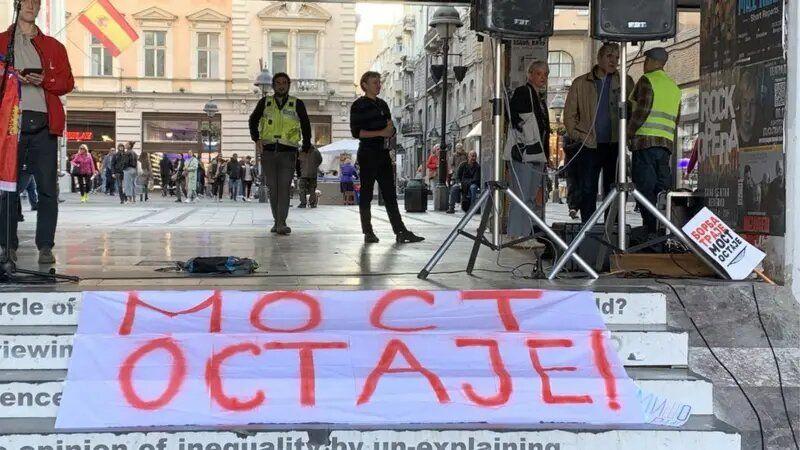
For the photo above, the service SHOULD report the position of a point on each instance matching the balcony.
(432, 41)
(411, 129)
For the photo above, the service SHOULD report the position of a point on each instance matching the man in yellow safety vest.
(656, 104)
(280, 126)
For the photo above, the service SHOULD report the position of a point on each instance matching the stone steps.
(655, 356)
(23, 399)
(700, 433)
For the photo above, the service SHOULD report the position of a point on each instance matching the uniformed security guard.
(652, 128)
(278, 125)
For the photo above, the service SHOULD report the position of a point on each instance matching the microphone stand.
(8, 269)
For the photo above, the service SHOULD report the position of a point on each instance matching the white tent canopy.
(332, 152)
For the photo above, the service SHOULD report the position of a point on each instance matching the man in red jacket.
(45, 74)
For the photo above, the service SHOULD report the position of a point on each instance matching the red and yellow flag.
(108, 26)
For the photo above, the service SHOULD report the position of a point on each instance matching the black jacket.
(521, 104)
(468, 174)
(165, 166)
(234, 170)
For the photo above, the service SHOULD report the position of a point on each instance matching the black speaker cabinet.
(634, 20)
(522, 19)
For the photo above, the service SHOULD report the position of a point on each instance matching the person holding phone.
(45, 75)
(371, 123)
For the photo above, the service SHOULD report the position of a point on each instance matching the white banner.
(370, 357)
(731, 252)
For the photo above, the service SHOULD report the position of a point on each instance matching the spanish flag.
(9, 130)
(108, 26)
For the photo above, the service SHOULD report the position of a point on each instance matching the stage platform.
(112, 247)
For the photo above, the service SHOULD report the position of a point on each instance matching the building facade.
(193, 52)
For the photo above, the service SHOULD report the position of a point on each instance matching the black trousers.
(248, 187)
(110, 182)
(651, 175)
(38, 158)
(376, 166)
(120, 177)
(593, 161)
(84, 184)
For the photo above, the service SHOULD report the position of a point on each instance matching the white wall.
(791, 147)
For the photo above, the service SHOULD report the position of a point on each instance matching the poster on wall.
(760, 102)
(717, 35)
(758, 22)
(762, 194)
(719, 148)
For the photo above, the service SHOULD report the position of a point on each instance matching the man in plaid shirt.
(656, 104)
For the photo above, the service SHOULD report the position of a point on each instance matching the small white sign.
(39, 308)
(731, 252)
(21, 352)
(27, 400)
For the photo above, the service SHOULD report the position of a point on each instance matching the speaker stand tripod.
(494, 188)
(623, 188)
(490, 199)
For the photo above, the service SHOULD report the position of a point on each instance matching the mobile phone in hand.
(26, 72)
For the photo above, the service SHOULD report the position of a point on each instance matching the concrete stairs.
(655, 356)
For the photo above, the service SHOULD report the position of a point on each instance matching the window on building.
(155, 53)
(102, 62)
(459, 100)
(279, 51)
(320, 131)
(208, 55)
(475, 101)
(307, 55)
(463, 104)
(561, 65)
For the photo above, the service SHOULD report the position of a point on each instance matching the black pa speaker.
(522, 19)
(633, 20)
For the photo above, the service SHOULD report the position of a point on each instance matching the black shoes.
(408, 237)
(370, 238)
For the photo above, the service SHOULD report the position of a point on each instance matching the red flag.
(9, 130)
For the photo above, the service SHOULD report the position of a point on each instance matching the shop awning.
(475, 132)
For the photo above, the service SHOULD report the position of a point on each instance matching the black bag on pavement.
(221, 265)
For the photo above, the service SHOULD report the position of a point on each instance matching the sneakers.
(573, 214)
(450, 211)
(11, 254)
(46, 256)
(274, 229)
(370, 238)
(301, 205)
(284, 230)
(84, 198)
(408, 237)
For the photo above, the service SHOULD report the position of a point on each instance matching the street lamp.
(263, 82)
(211, 109)
(446, 20)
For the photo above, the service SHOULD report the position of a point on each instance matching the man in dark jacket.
(165, 168)
(466, 184)
(45, 75)
(234, 171)
(310, 160)
(118, 164)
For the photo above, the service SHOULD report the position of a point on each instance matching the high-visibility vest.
(666, 104)
(280, 126)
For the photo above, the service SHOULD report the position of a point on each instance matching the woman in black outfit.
(371, 123)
